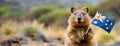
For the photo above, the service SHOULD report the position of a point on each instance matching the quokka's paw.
(85, 36)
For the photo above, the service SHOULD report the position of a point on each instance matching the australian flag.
(103, 22)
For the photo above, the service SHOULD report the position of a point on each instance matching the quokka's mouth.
(79, 22)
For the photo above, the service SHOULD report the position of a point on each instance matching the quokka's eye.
(75, 13)
(83, 14)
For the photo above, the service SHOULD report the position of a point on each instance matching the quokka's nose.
(79, 19)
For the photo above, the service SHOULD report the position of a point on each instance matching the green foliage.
(57, 12)
(43, 8)
(30, 32)
(56, 15)
(10, 12)
(37, 12)
(5, 11)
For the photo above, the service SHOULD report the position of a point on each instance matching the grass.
(7, 31)
(30, 32)
(104, 38)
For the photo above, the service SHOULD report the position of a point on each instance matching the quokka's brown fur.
(78, 23)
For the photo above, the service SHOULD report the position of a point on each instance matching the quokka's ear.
(74, 9)
(86, 9)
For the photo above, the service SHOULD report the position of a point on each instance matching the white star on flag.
(106, 27)
(95, 22)
(106, 24)
(107, 20)
(111, 23)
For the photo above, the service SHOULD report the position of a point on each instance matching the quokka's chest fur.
(77, 32)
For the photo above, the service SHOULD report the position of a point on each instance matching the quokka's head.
(79, 16)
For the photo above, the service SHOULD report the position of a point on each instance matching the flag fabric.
(103, 22)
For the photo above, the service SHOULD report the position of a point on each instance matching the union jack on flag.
(103, 22)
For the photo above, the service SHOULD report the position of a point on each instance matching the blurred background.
(44, 22)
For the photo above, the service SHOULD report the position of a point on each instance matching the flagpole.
(87, 29)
